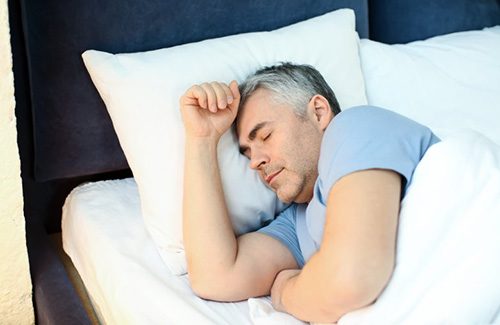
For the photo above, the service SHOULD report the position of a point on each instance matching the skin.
(356, 256)
(275, 149)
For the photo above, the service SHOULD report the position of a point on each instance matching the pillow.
(142, 90)
(448, 82)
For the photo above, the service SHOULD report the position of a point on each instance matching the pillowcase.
(448, 82)
(142, 90)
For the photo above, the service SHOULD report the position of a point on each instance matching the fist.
(209, 109)
(279, 285)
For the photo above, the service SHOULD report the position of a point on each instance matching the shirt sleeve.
(368, 137)
(283, 228)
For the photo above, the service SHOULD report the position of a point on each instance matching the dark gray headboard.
(73, 134)
(402, 21)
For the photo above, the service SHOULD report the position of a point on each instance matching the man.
(330, 252)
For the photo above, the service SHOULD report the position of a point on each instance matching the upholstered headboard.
(72, 131)
(402, 21)
(65, 135)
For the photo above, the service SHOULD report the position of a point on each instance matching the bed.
(67, 138)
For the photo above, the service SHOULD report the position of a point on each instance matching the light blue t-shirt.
(358, 138)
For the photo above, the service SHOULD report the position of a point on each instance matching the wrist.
(202, 142)
(286, 292)
(201, 149)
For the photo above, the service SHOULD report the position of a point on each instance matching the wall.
(15, 284)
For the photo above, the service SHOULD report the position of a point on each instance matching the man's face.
(281, 146)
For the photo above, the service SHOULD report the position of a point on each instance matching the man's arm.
(356, 257)
(221, 266)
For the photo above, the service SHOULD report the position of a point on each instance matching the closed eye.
(267, 136)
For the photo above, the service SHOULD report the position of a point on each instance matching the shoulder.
(361, 124)
(365, 137)
(364, 120)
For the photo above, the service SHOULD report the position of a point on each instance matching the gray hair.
(290, 84)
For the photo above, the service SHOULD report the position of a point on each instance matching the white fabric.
(447, 261)
(262, 312)
(142, 90)
(447, 264)
(447, 83)
(128, 282)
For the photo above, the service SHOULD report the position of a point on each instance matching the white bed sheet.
(125, 277)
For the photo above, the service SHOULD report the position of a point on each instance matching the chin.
(299, 198)
(286, 197)
(285, 200)
(292, 191)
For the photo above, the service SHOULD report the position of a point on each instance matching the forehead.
(260, 107)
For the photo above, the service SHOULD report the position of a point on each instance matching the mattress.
(127, 281)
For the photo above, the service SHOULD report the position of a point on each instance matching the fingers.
(228, 93)
(213, 96)
(221, 93)
(233, 87)
(195, 95)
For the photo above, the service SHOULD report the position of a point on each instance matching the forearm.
(209, 239)
(311, 295)
(357, 253)
(323, 292)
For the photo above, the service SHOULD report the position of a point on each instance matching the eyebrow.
(253, 134)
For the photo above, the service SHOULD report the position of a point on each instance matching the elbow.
(217, 287)
(353, 293)
(205, 287)
(205, 281)
(203, 291)
(204, 284)
(348, 299)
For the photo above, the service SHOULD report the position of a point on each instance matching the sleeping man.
(331, 251)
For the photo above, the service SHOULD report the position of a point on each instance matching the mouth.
(269, 178)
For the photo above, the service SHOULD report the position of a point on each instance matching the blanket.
(448, 249)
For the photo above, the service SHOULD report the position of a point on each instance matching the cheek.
(302, 152)
(293, 150)
(296, 145)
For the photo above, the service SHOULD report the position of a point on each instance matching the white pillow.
(142, 90)
(448, 82)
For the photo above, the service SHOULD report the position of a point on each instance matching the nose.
(258, 159)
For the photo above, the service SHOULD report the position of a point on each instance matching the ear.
(319, 109)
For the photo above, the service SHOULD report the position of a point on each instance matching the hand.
(209, 109)
(279, 284)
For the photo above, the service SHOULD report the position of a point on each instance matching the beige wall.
(15, 285)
